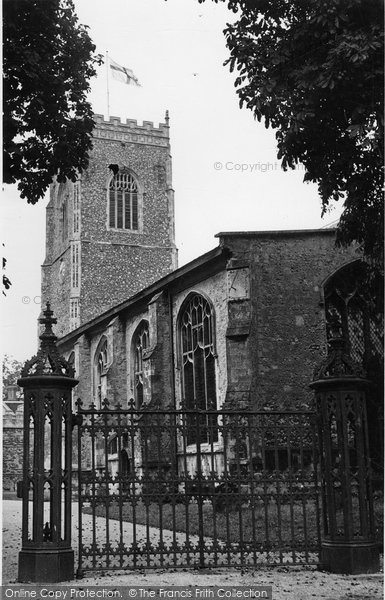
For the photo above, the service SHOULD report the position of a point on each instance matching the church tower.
(111, 233)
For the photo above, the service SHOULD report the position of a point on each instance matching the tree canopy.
(11, 371)
(6, 281)
(314, 72)
(48, 59)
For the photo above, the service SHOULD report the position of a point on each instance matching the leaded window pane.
(112, 208)
(361, 322)
(101, 372)
(198, 369)
(119, 212)
(127, 215)
(355, 318)
(123, 202)
(376, 334)
(141, 343)
(134, 210)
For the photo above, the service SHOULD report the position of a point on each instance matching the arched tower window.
(141, 342)
(123, 202)
(197, 341)
(101, 369)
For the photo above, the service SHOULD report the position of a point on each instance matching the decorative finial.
(338, 363)
(167, 118)
(48, 320)
(48, 360)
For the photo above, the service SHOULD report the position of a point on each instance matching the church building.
(241, 326)
(111, 233)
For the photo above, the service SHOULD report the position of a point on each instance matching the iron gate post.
(348, 540)
(47, 380)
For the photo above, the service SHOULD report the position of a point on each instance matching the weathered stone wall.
(56, 290)
(269, 320)
(287, 327)
(113, 273)
(56, 269)
(266, 292)
(238, 341)
(116, 378)
(12, 447)
(120, 334)
(160, 356)
(83, 370)
(113, 263)
(157, 360)
(118, 263)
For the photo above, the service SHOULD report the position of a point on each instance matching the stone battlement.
(131, 131)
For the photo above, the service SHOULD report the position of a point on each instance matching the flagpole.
(108, 87)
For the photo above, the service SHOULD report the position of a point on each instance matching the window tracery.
(359, 315)
(101, 368)
(197, 338)
(361, 324)
(123, 202)
(141, 343)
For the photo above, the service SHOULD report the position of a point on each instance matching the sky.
(226, 174)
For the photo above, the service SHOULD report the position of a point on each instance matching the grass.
(266, 525)
(289, 525)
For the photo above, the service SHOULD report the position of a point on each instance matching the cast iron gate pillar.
(47, 379)
(348, 543)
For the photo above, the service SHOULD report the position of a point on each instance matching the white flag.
(123, 74)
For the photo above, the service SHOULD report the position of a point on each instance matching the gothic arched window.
(362, 324)
(123, 210)
(197, 340)
(113, 445)
(141, 342)
(356, 308)
(101, 368)
(71, 361)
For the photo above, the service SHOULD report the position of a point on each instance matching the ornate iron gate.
(178, 488)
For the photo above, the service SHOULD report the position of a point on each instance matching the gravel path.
(289, 583)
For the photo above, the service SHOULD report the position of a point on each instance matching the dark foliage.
(11, 370)
(6, 281)
(48, 61)
(314, 72)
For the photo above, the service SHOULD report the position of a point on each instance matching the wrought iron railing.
(248, 495)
